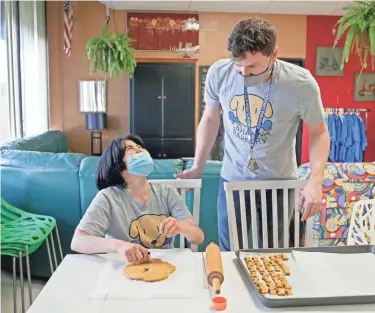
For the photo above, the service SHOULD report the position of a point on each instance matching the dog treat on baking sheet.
(269, 273)
(294, 269)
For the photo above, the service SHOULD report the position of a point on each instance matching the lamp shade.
(92, 96)
(96, 121)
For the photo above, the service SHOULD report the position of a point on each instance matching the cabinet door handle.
(165, 97)
(159, 97)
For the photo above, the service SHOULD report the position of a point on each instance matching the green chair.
(23, 233)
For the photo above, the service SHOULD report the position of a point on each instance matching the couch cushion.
(363, 172)
(44, 183)
(344, 184)
(208, 203)
(50, 141)
(87, 175)
(165, 169)
(332, 171)
(210, 168)
(343, 171)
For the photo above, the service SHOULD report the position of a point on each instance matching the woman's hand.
(133, 252)
(170, 227)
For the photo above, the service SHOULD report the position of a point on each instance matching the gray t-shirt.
(294, 95)
(114, 213)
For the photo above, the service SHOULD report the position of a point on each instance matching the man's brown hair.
(252, 35)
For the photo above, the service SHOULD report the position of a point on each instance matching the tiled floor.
(7, 292)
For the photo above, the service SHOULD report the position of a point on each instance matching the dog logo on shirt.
(145, 231)
(237, 115)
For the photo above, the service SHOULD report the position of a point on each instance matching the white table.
(69, 289)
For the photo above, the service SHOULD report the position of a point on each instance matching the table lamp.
(92, 102)
(96, 122)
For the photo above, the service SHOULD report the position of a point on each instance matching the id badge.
(252, 165)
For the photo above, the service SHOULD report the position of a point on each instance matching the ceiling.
(304, 7)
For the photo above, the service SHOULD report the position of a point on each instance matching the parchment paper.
(182, 284)
(339, 274)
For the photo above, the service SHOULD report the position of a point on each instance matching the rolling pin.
(214, 267)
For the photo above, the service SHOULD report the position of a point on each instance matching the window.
(23, 69)
(33, 57)
(5, 127)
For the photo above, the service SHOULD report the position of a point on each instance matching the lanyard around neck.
(253, 139)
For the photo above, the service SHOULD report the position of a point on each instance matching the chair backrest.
(287, 190)
(362, 223)
(9, 213)
(184, 186)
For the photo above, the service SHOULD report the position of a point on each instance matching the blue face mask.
(140, 164)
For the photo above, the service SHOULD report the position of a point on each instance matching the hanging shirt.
(348, 137)
(355, 148)
(363, 137)
(333, 136)
(345, 139)
(339, 140)
(359, 138)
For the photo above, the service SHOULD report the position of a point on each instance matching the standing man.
(262, 100)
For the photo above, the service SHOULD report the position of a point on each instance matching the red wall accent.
(337, 92)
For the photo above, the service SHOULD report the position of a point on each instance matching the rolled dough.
(157, 270)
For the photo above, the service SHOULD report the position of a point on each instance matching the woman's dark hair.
(111, 163)
(252, 35)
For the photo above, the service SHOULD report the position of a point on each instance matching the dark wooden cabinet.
(146, 104)
(163, 108)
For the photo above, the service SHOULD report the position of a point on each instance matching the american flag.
(68, 27)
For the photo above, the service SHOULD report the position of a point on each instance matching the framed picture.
(364, 87)
(328, 61)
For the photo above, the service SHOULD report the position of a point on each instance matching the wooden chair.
(184, 187)
(287, 187)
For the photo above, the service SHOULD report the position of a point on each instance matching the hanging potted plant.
(111, 53)
(358, 26)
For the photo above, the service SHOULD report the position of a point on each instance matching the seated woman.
(128, 214)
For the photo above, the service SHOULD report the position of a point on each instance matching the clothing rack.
(348, 110)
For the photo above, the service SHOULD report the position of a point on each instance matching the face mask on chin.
(140, 164)
(253, 80)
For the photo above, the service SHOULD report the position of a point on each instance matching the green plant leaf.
(358, 27)
(372, 38)
(111, 54)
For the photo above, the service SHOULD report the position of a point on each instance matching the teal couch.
(40, 176)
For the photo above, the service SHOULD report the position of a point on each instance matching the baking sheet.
(310, 289)
(182, 284)
(319, 274)
(324, 275)
(339, 274)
